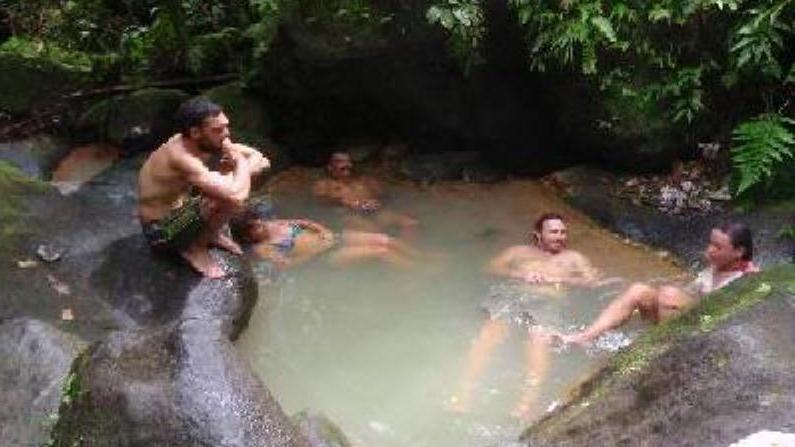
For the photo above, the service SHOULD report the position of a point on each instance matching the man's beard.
(206, 146)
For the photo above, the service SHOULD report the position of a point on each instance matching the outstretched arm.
(502, 264)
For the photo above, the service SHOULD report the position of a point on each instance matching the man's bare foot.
(199, 258)
(225, 242)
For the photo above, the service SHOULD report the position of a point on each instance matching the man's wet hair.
(740, 237)
(193, 112)
(539, 225)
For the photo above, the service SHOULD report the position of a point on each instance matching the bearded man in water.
(537, 271)
(360, 196)
(184, 206)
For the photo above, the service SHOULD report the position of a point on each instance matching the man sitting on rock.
(538, 273)
(183, 206)
(729, 254)
(361, 197)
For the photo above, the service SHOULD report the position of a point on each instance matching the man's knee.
(640, 292)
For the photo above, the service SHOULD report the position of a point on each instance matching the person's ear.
(194, 132)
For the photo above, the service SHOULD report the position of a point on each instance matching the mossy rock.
(146, 113)
(15, 191)
(31, 83)
(709, 378)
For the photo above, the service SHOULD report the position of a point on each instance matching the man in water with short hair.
(729, 253)
(360, 196)
(183, 206)
(539, 270)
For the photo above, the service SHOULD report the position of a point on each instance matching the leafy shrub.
(762, 146)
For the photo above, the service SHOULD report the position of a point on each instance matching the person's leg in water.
(492, 333)
(360, 246)
(407, 225)
(536, 370)
(639, 296)
(216, 215)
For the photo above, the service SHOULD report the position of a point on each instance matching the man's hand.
(535, 277)
(256, 161)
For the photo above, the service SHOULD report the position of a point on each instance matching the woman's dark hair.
(740, 237)
(241, 223)
(539, 225)
(193, 112)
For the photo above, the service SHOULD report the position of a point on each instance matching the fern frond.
(761, 145)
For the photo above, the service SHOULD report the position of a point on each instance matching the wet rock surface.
(710, 378)
(161, 369)
(35, 157)
(466, 166)
(684, 235)
(35, 358)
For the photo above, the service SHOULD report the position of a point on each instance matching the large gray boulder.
(709, 378)
(35, 358)
(161, 369)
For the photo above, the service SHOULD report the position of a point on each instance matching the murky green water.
(380, 351)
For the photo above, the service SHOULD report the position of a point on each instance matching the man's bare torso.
(161, 187)
(556, 267)
(347, 191)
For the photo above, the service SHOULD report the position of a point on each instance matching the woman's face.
(720, 252)
(258, 230)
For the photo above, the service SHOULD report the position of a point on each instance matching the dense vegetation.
(695, 58)
(688, 55)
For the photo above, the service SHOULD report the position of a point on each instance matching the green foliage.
(463, 20)
(47, 50)
(762, 145)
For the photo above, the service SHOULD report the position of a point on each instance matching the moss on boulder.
(709, 378)
(145, 114)
(15, 189)
(32, 82)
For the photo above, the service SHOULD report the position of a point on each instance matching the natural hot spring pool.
(380, 351)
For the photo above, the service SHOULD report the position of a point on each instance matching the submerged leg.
(537, 367)
(492, 333)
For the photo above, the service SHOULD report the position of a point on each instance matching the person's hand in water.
(535, 278)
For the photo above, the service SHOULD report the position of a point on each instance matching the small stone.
(632, 182)
(663, 254)
(47, 253)
(722, 194)
(66, 314)
(27, 263)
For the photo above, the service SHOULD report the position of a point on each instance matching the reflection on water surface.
(381, 351)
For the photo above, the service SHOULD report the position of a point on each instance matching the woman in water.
(290, 242)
